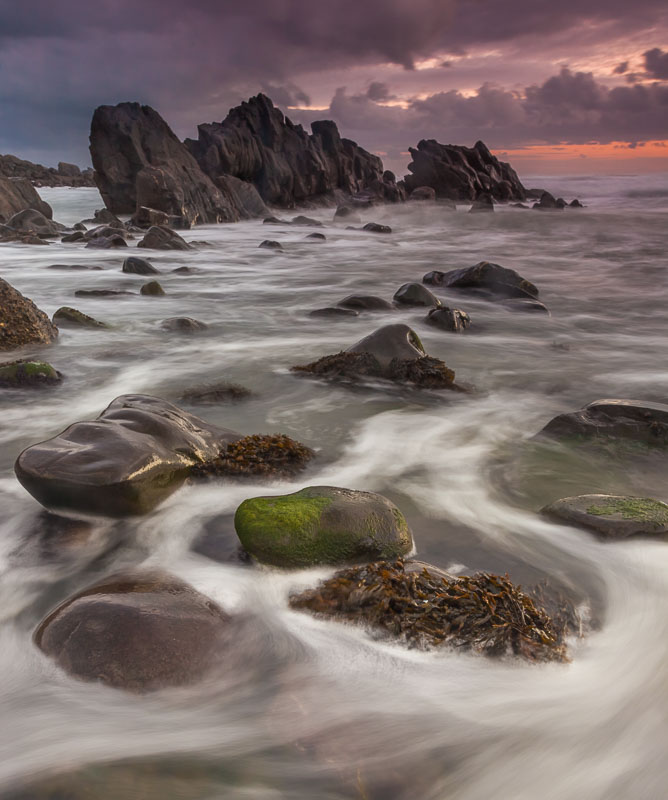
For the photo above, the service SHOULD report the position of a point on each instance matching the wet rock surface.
(365, 302)
(124, 463)
(21, 322)
(448, 319)
(415, 294)
(67, 317)
(612, 516)
(159, 237)
(133, 265)
(28, 374)
(186, 325)
(139, 631)
(484, 278)
(152, 289)
(322, 525)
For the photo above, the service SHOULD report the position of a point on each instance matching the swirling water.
(313, 709)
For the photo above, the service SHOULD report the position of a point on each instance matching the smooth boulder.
(158, 237)
(322, 525)
(21, 322)
(68, 317)
(133, 265)
(612, 516)
(139, 631)
(28, 374)
(415, 294)
(365, 302)
(125, 462)
(183, 325)
(152, 289)
(484, 278)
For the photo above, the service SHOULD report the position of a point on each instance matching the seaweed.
(483, 613)
(272, 456)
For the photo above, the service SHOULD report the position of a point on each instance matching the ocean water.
(312, 709)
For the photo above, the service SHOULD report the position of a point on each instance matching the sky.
(554, 86)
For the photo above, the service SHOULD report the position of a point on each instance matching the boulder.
(28, 374)
(21, 322)
(102, 216)
(316, 237)
(270, 244)
(31, 221)
(102, 293)
(133, 265)
(462, 173)
(484, 278)
(365, 302)
(113, 242)
(374, 227)
(322, 525)
(159, 237)
(415, 294)
(152, 289)
(526, 305)
(448, 319)
(423, 193)
(611, 516)
(17, 195)
(628, 420)
(483, 202)
(575, 204)
(105, 231)
(548, 202)
(347, 213)
(75, 236)
(124, 463)
(309, 222)
(139, 631)
(243, 196)
(183, 325)
(68, 170)
(286, 165)
(68, 317)
(389, 343)
(148, 217)
(332, 312)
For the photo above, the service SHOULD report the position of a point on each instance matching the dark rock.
(519, 205)
(275, 221)
(448, 319)
(415, 294)
(604, 420)
(547, 202)
(308, 221)
(134, 265)
(186, 271)
(77, 236)
(108, 243)
(613, 517)
(561, 203)
(213, 394)
(270, 244)
(37, 175)
(21, 322)
(389, 343)
(71, 318)
(347, 213)
(102, 216)
(462, 173)
(75, 267)
(102, 293)
(287, 166)
(161, 238)
(152, 289)
(423, 193)
(105, 231)
(242, 195)
(28, 374)
(19, 194)
(138, 631)
(365, 302)
(322, 525)
(139, 162)
(575, 204)
(485, 278)
(484, 202)
(68, 170)
(148, 217)
(126, 462)
(183, 325)
(316, 237)
(525, 304)
(333, 312)
(31, 221)
(8, 234)
(374, 227)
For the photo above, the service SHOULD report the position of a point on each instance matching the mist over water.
(309, 709)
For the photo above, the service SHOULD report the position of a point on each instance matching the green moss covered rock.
(612, 516)
(28, 374)
(322, 525)
(72, 318)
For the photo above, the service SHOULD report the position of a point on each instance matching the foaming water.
(303, 708)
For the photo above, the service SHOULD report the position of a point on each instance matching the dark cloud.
(656, 63)
(379, 92)
(620, 69)
(286, 96)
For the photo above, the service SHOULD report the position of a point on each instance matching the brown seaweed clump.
(425, 372)
(484, 613)
(273, 456)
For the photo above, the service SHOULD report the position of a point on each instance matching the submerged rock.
(113, 242)
(270, 244)
(71, 318)
(448, 319)
(426, 608)
(158, 237)
(365, 302)
(612, 516)
(316, 237)
(332, 312)
(152, 289)
(322, 525)
(274, 456)
(212, 394)
(126, 462)
(133, 265)
(375, 227)
(139, 631)
(483, 203)
(415, 294)
(183, 325)
(485, 278)
(76, 236)
(21, 322)
(627, 420)
(102, 293)
(28, 374)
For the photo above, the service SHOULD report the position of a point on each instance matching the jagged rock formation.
(65, 175)
(139, 161)
(17, 195)
(287, 166)
(462, 173)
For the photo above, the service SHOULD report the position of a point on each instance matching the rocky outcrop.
(21, 322)
(139, 161)
(139, 631)
(17, 195)
(462, 173)
(133, 456)
(38, 175)
(287, 166)
(322, 525)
